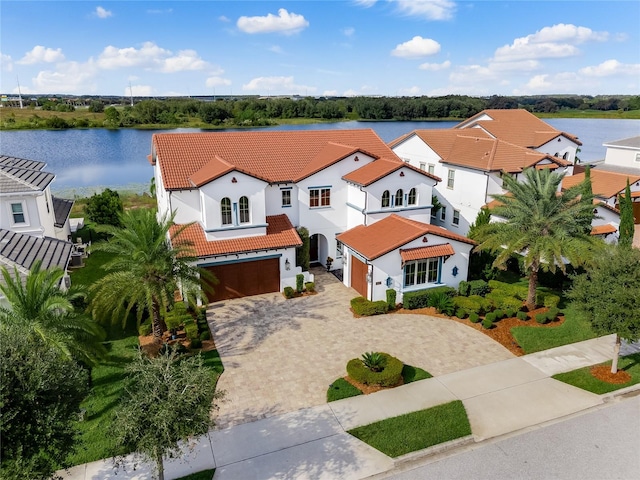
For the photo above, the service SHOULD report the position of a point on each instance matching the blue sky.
(339, 47)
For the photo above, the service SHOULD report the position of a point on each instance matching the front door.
(359, 276)
(313, 248)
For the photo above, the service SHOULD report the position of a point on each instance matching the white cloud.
(416, 47)
(150, 56)
(330, 93)
(213, 82)
(275, 49)
(285, 22)
(557, 41)
(139, 91)
(410, 92)
(277, 85)
(101, 12)
(435, 67)
(348, 32)
(6, 62)
(224, 19)
(40, 54)
(609, 68)
(428, 9)
(366, 3)
(69, 77)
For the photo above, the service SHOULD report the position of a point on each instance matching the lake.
(88, 160)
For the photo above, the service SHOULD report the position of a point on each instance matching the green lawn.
(342, 389)
(203, 475)
(92, 271)
(582, 377)
(574, 329)
(416, 431)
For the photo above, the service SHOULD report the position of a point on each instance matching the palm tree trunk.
(158, 323)
(159, 465)
(616, 354)
(533, 283)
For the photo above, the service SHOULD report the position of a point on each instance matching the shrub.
(510, 290)
(191, 330)
(310, 286)
(441, 302)
(552, 313)
(491, 316)
(206, 335)
(196, 343)
(478, 287)
(299, 282)
(178, 348)
(420, 298)
(510, 312)
(144, 329)
(464, 288)
(522, 316)
(474, 317)
(374, 361)
(302, 252)
(105, 208)
(499, 314)
(461, 313)
(289, 292)
(542, 318)
(500, 299)
(391, 298)
(388, 377)
(551, 301)
(202, 316)
(172, 322)
(362, 306)
(474, 303)
(487, 323)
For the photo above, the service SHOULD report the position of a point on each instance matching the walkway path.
(312, 443)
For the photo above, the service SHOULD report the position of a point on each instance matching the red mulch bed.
(501, 331)
(151, 347)
(603, 373)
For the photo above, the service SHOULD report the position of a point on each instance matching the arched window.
(411, 199)
(244, 210)
(386, 199)
(399, 200)
(225, 210)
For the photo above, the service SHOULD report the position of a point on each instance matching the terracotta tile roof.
(390, 233)
(374, 171)
(603, 229)
(599, 203)
(516, 126)
(604, 184)
(280, 234)
(275, 156)
(422, 253)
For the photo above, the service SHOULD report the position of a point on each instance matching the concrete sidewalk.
(500, 398)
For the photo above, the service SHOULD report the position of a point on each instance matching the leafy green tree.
(541, 224)
(96, 106)
(483, 218)
(112, 117)
(105, 208)
(608, 296)
(145, 271)
(302, 252)
(165, 401)
(627, 226)
(40, 396)
(44, 310)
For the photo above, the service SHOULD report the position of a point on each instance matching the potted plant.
(329, 262)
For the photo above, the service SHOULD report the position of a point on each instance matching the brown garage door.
(245, 278)
(636, 212)
(358, 276)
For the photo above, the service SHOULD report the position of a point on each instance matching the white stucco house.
(245, 193)
(472, 157)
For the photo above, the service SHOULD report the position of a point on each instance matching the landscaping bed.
(599, 379)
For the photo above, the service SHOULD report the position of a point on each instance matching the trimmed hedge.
(310, 286)
(472, 304)
(522, 316)
(289, 292)
(391, 298)
(420, 298)
(362, 306)
(548, 316)
(299, 282)
(509, 289)
(487, 323)
(478, 287)
(502, 300)
(206, 335)
(474, 318)
(388, 377)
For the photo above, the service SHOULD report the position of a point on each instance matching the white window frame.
(443, 213)
(244, 211)
(286, 197)
(385, 203)
(423, 166)
(637, 157)
(456, 218)
(226, 215)
(451, 178)
(413, 201)
(320, 192)
(431, 169)
(23, 212)
(399, 195)
(339, 249)
(421, 272)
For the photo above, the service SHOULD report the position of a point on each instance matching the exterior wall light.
(369, 277)
(287, 264)
(454, 271)
(389, 282)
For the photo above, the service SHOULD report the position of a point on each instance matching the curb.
(433, 450)
(611, 396)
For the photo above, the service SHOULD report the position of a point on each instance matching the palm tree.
(39, 306)
(541, 223)
(145, 272)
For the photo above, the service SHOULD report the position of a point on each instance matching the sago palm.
(41, 308)
(145, 271)
(547, 227)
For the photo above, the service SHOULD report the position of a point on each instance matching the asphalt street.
(601, 444)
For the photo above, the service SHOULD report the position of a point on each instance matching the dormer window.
(244, 209)
(386, 199)
(225, 211)
(411, 199)
(399, 198)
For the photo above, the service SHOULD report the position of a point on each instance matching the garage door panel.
(243, 279)
(359, 276)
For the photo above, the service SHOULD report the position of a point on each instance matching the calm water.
(85, 159)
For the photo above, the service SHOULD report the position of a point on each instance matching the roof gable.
(603, 184)
(20, 175)
(379, 169)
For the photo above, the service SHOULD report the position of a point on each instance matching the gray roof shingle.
(20, 175)
(23, 250)
(61, 210)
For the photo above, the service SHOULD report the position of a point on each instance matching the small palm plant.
(374, 361)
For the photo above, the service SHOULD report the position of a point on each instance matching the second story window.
(432, 168)
(451, 174)
(456, 217)
(443, 213)
(244, 209)
(399, 201)
(319, 197)
(423, 166)
(286, 198)
(411, 198)
(386, 199)
(17, 211)
(225, 211)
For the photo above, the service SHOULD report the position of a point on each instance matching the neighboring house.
(623, 156)
(471, 162)
(245, 193)
(27, 203)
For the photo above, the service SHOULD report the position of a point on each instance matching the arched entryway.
(318, 249)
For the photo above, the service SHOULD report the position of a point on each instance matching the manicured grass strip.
(203, 475)
(92, 270)
(342, 389)
(582, 377)
(535, 339)
(416, 431)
